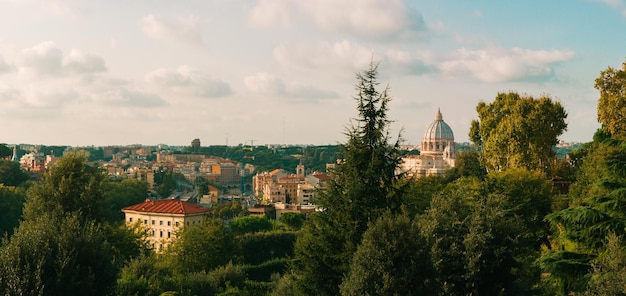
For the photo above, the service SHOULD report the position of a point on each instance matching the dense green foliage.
(260, 247)
(597, 210)
(5, 151)
(518, 131)
(57, 255)
(202, 247)
(293, 221)
(363, 186)
(71, 186)
(247, 224)
(391, 260)
(11, 203)
(63, 246)
(589, 234)
(11, 174)
(612, 101)
(120, 194)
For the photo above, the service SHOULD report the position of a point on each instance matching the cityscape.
(328, 147)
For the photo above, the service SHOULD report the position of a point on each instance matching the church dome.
(438, 139)
(439, 129)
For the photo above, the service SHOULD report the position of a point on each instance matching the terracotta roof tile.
(321, 176)
(167, 206)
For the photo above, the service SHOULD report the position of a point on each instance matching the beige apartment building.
(162, 218)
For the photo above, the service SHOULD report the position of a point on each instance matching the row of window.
(169, 223)
(145, 221)
(169, 234)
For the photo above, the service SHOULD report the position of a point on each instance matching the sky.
(229, 72)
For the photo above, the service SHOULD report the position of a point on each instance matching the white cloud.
(187, 81)
(500, 64)
(79, 63)
(416, 63)
(66, 7)
(129, 97)
(36, 104)
(8, 94)
(272, 13)
(268, 84)
(52, 99)
(46, 59)
(323, 56)
(5, 67)
(265, 83)
(185, 29)
(367, 18)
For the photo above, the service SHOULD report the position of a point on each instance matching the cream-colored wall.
(424, 165)
(162, 228)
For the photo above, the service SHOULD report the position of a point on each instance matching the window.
(169, 234)
(152, 232)
(169, 223)
(152, 222)
(160, 222)
(130, 219)
(177, 223)
(161, 233)
(145, 221)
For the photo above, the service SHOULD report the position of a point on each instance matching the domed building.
(437, 151)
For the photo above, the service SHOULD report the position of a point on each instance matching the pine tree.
(363, 185)
(598, 198)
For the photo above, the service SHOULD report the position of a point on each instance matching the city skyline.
(104, 73)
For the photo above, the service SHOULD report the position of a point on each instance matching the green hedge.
(260, 247)
(263, 272)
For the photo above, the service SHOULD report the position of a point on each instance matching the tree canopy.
(612, 101)
(518, 131)
(11, 173)
(364, 185)
(71, 185)
(595, 220)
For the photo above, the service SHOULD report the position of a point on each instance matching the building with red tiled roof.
(318, 180)
(162, 218)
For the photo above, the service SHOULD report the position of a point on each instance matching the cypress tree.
(363, 185)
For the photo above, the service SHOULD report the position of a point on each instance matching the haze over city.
(282, 72)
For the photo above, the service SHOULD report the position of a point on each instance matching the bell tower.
(300, 171)
(14, 157)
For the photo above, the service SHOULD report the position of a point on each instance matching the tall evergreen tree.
(363, 185)
(598, 199)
